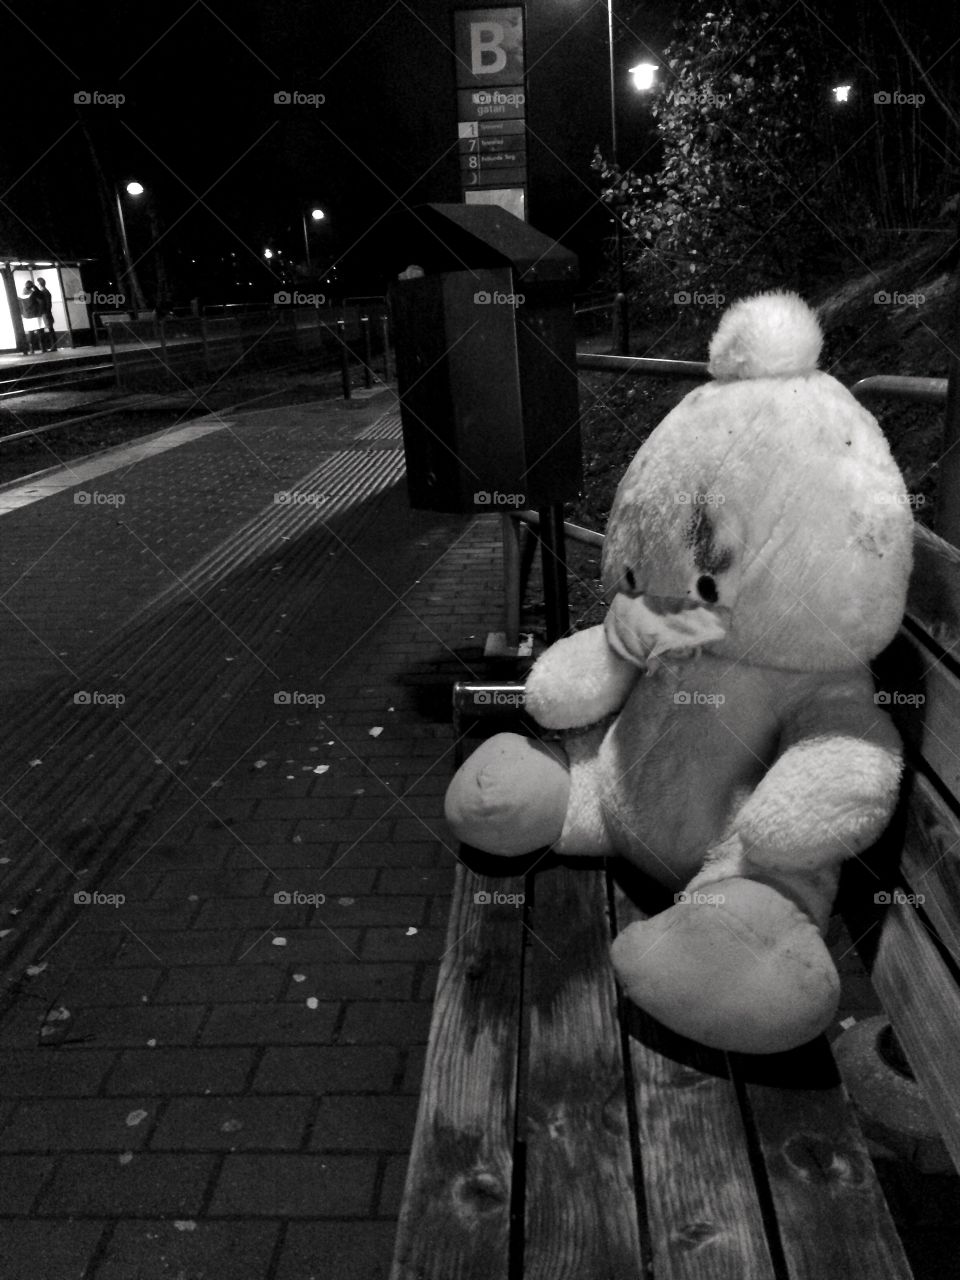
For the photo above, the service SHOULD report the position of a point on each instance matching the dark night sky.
(200, 120)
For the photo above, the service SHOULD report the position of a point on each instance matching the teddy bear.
(720, 729)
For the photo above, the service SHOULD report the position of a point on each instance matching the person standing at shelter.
(48, 339)
(32, 317)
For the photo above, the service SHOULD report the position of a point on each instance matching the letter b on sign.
(487, 54)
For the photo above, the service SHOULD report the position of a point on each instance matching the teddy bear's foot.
(510, 796)
(738, 967)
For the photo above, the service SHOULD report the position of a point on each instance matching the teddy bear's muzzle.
(640, 628)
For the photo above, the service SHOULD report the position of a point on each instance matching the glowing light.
(644, 75)
(268, 253)
(841, 92)
(134, 189)
(317, 215)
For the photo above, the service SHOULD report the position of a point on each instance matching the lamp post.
(317, 215)
(620, 301)
(133, 189)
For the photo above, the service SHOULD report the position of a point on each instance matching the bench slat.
(931, 860)
(704, 1213)
(455, 1220)
(933, 600)
(923, 1003)
(581, 1209)
(931, 727)
(831, 1214)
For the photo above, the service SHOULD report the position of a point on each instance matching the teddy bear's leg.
(737, 965)
(510, 796)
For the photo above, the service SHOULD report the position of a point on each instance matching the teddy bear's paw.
(736, 966)
(510, 796)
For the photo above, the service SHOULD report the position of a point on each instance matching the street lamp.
(644, 75)
(133, 189)
(317, 215)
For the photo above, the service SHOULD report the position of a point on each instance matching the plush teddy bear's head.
(765, 518)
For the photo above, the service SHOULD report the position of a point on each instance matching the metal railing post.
(947, 514)
(114, 356)
(367, 351)
(344, 358)
(385, 331)
(511, 580)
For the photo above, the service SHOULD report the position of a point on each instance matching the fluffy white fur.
(773, 335)
(749, 760)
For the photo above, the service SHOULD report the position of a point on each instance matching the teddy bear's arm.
(578, 681)
(833, 787)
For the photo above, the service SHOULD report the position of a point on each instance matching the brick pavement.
(208, 1082)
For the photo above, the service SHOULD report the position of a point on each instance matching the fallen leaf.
(299, 977)
(136, 1117)
(279, 942)
(125, 1157)
(312, 1002)
(376, 731)
(184, 1225)
(321, 768)
(33, 969)
(259, 764)
(411, 931)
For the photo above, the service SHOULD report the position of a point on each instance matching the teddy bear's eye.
(630, 578)
(707, 588)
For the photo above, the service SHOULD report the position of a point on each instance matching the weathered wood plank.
(923, 696)
(702, 1205)
(581, 1210)
(831, 1214)
(923, 1003)
(934, 596)
(931, 861)
(455, 1219)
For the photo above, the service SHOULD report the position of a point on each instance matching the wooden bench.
(563, 1135)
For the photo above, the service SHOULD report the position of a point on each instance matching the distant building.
(71, 309)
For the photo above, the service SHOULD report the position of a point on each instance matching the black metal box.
(486, 363)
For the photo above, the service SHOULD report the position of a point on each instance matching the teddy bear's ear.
(772, 335)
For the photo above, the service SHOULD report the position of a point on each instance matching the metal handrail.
(928, 390)
(643, 365)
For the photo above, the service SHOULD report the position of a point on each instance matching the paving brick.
(420, 880)
(413, 1069)
(108, 986)
(170, 1071)
(371, 909)
(85, 949)
(396, 944)
(302, 946)
(157, 1250)
(225, 883)
(344, 830)
(77, 1124)
(52, 1073)
(284, 1023)
(21, 1178)
(385, 1022)
(352, 981)
(371, 853)
(49, 1250)
(205, 984)
(294, 1186)
(350, 1122)
(239, 913)
(149, 1183)
(210, 946)
(315, 1069)
(391, 1189)
(141, 917)
(230, 1124)
(345, 879)
(427, 986)
(129, 1026)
